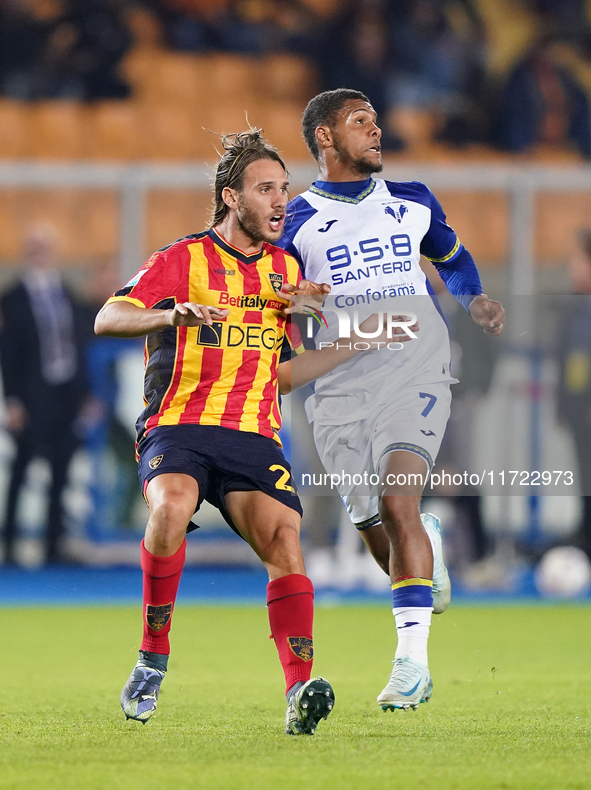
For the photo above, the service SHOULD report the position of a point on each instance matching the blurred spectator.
(190, 25)
(563, 17)
(354, 52)
(574, 382)
(474, 357)
(439, 65)
(543, 103)
(247, 26)
(473, 361)
(104, 429)
(23, 37)
(89, 43)
(73, 54)
(42, 366)
(409, 54)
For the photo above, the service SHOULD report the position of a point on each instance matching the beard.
(250, 223)
(363, 166)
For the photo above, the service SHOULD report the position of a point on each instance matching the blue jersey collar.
(344, 191)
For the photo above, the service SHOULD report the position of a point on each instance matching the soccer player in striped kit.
(218, 349)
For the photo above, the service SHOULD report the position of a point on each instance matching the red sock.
(161, 583)
(290, 601)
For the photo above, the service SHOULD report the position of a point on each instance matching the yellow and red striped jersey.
(224, 374)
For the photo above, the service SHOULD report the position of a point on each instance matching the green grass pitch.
(510, 707)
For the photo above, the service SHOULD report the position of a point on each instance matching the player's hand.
(191, 314)
(488, 313)
(306, 294)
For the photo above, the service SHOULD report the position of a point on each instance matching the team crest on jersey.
(155, 462)
(301, 646)
(276, 281)
(158, 616)
(398, 210)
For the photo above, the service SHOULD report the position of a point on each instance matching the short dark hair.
(322, 111)
(241, 150)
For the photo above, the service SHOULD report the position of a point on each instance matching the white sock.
(412, 627)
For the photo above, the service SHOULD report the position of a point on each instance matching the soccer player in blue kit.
(384, 413)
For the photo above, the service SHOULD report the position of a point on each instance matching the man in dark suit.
(44, 383)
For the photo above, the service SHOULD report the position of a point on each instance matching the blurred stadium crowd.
(508, 75)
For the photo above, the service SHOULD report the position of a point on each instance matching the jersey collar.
(234, 251)
(344, 191)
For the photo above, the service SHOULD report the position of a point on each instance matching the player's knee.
(283, 544)
(286, 534)
(170, 515)
(282, 551)
(397, 512)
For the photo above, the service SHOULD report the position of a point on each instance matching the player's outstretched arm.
(124, 319)
(488, 313)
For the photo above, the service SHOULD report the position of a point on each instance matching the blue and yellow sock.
(412, 605)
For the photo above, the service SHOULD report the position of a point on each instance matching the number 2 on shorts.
(282, 484)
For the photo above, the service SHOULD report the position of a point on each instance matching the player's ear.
(323, 136)
(230, 197)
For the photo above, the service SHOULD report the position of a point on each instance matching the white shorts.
(414, 420)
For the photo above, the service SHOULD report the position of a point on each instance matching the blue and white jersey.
(365, 239)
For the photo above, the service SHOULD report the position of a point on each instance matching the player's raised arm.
(124, 319)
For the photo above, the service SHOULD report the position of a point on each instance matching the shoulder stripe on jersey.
(298, 213)
(344, 198)
(184, 238)
(415, 191)
(449, 255)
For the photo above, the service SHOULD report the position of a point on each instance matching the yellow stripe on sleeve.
(449, 255)
(125, 299)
